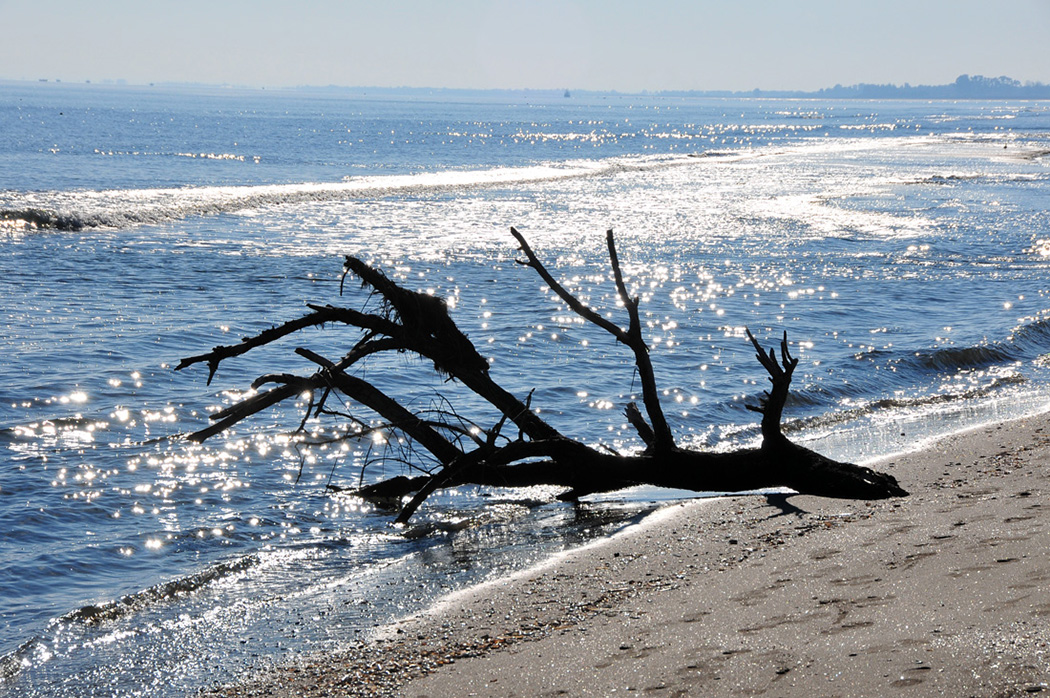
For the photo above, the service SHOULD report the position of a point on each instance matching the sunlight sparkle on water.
(775, 226)
(78, 397)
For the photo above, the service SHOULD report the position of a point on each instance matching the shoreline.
(943, 592)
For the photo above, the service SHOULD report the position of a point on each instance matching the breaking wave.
(944, 179)
(99, 613)
(92, 614)
(831, 419)
(837, 404)
(1026, 342)
(75, 211)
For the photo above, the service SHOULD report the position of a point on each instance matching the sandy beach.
(943, 593)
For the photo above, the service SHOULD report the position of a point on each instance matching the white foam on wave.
(818, 214)
(122, 208)
(856, 169)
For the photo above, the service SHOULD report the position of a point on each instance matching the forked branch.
(466, 453)
(772, 406)
(662, 439)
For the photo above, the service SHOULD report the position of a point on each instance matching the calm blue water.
(903, 246)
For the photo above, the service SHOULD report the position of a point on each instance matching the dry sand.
(943, 593)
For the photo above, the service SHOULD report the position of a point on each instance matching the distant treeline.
(964, 87)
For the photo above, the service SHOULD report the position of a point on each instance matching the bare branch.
(246, 408)
(772, 406)
(572, 301)
(632, 337)
(459, 451)
(663, 440)
(636, 420)
(319, 316)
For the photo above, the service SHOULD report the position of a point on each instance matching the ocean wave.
(944, 179)
(979, 356)
(193, 156)
(845, 401)
(819, 214)
(92, 614)
(100, 613)
(12, 662)
(1035, 154)
(73, 220)
(1027, 341)
(76, 211)
(851, 414)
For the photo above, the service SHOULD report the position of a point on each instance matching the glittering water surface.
(904, 247)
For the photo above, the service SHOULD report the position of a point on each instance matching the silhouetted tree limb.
(772, 406)
(661, 440)
(462, 452)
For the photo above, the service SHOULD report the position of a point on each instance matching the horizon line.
(1001, 83)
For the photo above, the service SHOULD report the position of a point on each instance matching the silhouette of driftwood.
(453, 451)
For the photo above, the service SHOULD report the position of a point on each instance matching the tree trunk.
(538, 454)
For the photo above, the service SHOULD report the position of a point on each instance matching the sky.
(526, 44)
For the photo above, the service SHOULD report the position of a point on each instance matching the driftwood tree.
(536, 453)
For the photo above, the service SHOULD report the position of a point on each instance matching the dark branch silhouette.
(458, 451)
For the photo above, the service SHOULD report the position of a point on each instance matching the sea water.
(903, 246)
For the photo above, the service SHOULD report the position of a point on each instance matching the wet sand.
(945, 592)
